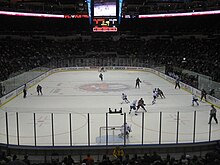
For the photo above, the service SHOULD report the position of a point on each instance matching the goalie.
(125, 130)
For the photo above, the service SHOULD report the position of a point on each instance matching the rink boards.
(75, 104)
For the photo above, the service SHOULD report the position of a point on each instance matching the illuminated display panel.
(177, 14)
(105, 8)
(105, 25)
(42, 15)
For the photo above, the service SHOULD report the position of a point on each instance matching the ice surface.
(82, 99)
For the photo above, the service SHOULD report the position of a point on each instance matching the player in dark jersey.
(39, 90)
(141, 104)
(101, 76)
(138, 81)
(203, 94)
(177, 83)
(25, 91)
(160, 93)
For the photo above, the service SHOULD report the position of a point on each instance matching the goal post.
(111, 130)
(113, 133)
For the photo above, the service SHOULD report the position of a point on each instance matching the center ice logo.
(104, 87)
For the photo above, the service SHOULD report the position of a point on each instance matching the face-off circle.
(104, 87)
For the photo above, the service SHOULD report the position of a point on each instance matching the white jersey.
(195, 97)
(127, 128)
(124, 96)
(154, 94)
(133, 103)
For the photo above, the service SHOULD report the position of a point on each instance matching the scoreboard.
(105, 15)
(105, 24)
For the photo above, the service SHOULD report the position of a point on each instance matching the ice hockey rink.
(75, 102)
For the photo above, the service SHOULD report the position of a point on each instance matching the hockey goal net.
(113, 133)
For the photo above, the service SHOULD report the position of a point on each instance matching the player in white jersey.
(125, 130)
(133, 106)
(124, 98)
(154, 97)
(195, 100)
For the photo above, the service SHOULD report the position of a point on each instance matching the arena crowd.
(210, 158)
(195, 54)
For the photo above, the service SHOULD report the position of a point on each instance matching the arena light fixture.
(9, 13)
(180, 14)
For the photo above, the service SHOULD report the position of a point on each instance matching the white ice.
(83, 95)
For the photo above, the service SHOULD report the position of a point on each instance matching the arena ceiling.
(129, 6)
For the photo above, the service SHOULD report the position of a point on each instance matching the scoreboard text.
(105, 25)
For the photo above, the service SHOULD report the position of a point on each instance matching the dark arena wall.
(15, 23)
(192, 24)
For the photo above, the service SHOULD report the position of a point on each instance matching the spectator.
(212, 92)
(126, 160)
(70, 160)
(118, 153)
(26, 160)
(89, 160)
(15, 161)
(105, 160)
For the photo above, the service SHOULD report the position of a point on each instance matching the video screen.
(104, 7)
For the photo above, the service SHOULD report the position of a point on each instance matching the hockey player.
(177, 83)
(203, 94)
(39, 90)
(124, 98)
(102, 69)
(195, 99)
(160, 93)
(138, 81)
(141, 104)
(101, 76)
(2, 89)
(156, 91)
(213, 115)
(25, 91)
(125, 130)
(133, 106)
(154, 97)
